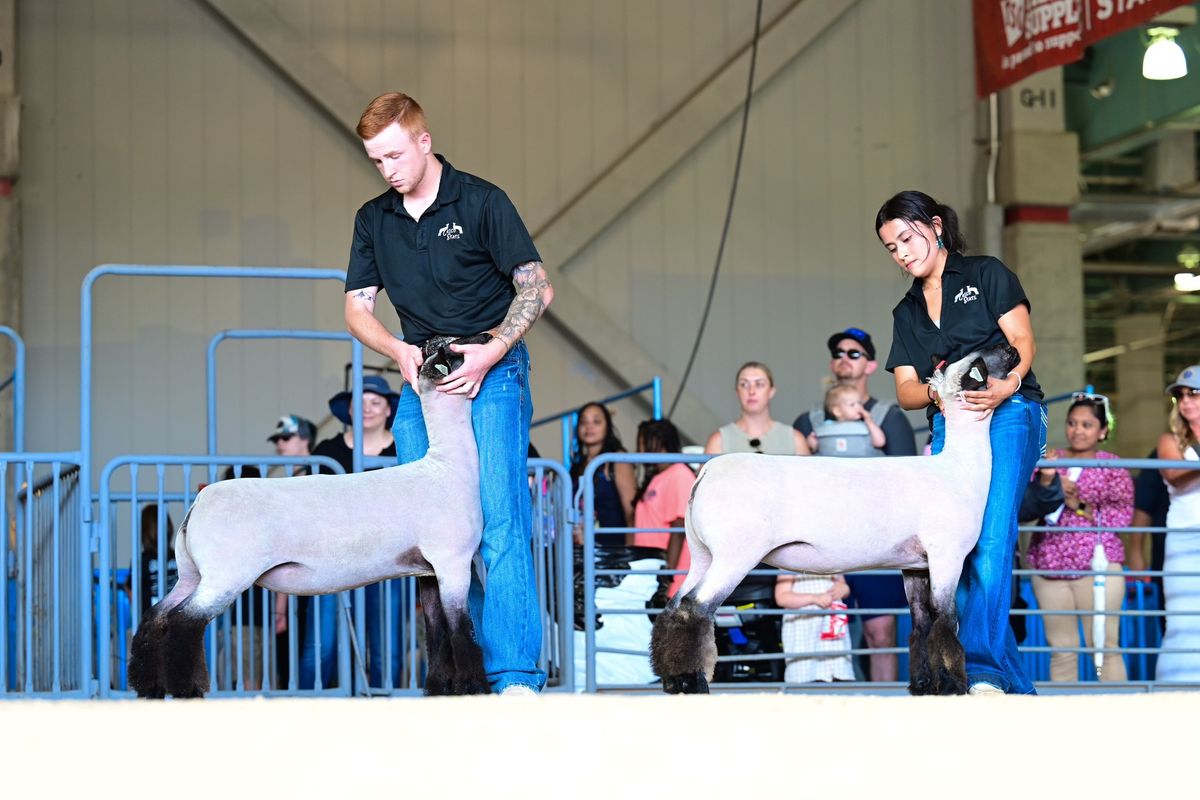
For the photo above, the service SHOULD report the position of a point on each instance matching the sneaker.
(519, 690)
(984, 688)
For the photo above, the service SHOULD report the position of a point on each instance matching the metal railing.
(1139, 650)
(17, 381)
(570, 418)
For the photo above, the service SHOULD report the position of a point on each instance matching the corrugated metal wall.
(153, 134)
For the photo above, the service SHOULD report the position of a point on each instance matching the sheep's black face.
(440, 360)
(970, 374)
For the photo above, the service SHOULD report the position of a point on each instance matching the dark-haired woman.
(958, 304)
(1092, 496)
(614, 486)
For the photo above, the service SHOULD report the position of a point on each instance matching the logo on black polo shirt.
(451, 230)
(966, 294)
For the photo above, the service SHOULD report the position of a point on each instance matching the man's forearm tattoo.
(531, 283)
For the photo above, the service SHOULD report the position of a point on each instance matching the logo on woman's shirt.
(966, 294)
(451, 230)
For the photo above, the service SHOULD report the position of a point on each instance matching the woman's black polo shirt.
(976, 292)
(449, 273)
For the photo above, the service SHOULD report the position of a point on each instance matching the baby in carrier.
(848, 430)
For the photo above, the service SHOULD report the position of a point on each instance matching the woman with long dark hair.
(958, 304)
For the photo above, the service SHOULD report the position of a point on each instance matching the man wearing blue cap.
(851, 362)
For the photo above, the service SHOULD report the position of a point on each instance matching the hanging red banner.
(1016, 38)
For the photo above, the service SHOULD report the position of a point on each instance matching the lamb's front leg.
(440, 676)
(947, 659)
(920, 603)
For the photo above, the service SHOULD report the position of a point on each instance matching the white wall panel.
(154, 134)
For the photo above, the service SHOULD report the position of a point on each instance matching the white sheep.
(918, 514)
(319, 534)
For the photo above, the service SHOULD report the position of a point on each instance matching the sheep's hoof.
(152, 693)
(195, 693)
(689, 683)
(951, 683)
(437, 685)
(472, 686)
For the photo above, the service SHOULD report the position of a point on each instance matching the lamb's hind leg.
(916, 588)
(947, 660)
(186, 671)
(683, 648)
(147, 656)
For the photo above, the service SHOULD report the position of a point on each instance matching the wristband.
(1014, 372)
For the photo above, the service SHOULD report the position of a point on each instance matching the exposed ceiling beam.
(296, 58)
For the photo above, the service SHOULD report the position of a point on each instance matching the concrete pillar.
(1037, 183)
(1140, 405)
(10, 239)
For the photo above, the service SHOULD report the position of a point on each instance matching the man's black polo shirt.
(976, 292)
(449, 273)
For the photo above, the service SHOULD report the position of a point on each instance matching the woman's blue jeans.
(328, 609)
(984, 597)
(505, 611)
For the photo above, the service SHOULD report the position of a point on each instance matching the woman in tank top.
(755, 431)
(1182, 548)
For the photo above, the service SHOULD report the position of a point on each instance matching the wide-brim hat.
(339, 404)
(1188, 379)
(858, 335)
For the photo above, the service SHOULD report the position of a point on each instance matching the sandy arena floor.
(828, 748)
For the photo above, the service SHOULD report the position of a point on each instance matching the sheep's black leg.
(186, 672)
(683, 650)
(147, 658)
(469, 675)
(440, 675)
(916, 587)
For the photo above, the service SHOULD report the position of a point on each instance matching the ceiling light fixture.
(1164, 59)
(1187, 282)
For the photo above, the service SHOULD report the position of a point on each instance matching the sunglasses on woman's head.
(1184, 391)
(853, 355)
(1092, 397)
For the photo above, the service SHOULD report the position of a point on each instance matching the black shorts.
(876, 591)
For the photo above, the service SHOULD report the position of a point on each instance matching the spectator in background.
(1182, 552)
(661, 502)
(753, 432)
(614, 487)
(851, 363)
(155, 581)
(1093, 497)
(614, 484)
(379, 404)
(293, 437)
(1042, 496)
(813, 633)
(848, 429)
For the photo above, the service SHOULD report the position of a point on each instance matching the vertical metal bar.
(318, 647)
(589, 575)
(656, 389)
(160, 532)
(293, 681)
(356, 355)
(567, 425)
(55, 581)
(360, 629)
(386, 596)
(30, 663)
(4, 569)
(210, 392)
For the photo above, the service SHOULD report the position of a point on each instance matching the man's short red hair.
(389, 108)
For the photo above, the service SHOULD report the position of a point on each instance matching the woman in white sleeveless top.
(1182, 549)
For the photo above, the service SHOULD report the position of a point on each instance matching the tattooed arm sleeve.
(534, 294)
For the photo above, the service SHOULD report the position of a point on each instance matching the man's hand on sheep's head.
(409, 359)
(479, 354)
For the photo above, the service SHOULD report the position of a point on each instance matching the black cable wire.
(737, 172)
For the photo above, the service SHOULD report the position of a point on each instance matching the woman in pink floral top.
(1094, 497)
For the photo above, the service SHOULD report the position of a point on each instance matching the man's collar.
(449, 188)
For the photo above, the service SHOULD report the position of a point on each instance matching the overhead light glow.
(1187, 282)
(1164, 59)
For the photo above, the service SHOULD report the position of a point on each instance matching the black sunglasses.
(284, 437)
(853, 355)
(1184, 391)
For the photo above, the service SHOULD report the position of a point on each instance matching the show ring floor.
(610, 746)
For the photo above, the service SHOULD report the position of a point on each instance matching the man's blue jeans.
(324, 652)
(505, 616)
(984, 597)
